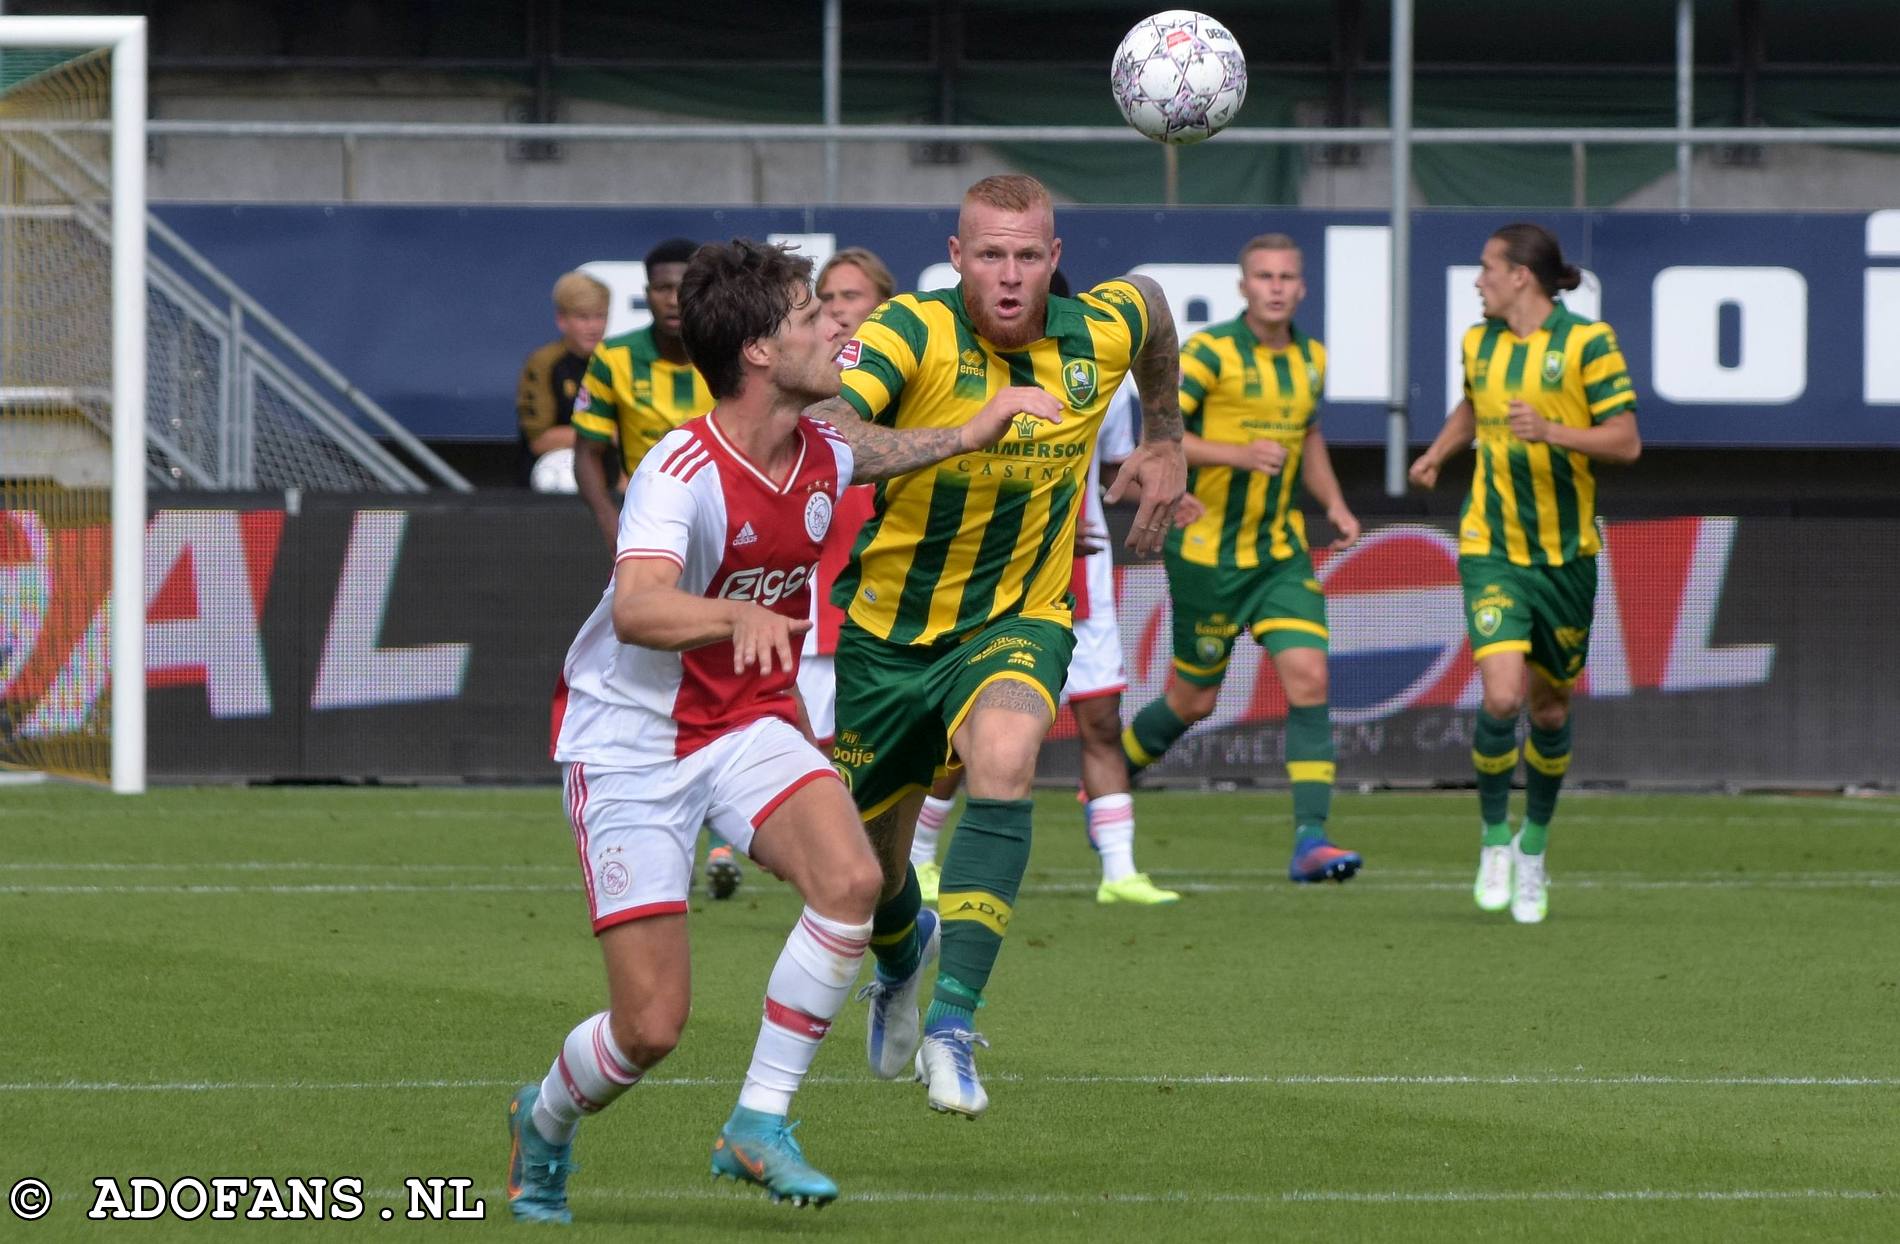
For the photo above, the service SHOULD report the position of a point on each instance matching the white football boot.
(1493, 887)
(947, 1064)
(891, 1036)
(1530, 893)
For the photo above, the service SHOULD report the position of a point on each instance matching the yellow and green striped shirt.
(631, 391)
(991, 533)
(1233, 391)
(1535, 504)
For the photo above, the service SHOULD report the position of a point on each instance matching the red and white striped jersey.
(698, 502)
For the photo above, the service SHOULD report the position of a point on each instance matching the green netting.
(19, 64)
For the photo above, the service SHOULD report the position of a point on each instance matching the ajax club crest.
(818, 515)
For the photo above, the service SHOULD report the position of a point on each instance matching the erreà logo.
(1079, 379)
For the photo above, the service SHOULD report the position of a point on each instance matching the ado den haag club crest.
(1079, 380)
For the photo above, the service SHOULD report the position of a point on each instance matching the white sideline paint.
(1872, 881)
(1296, 1196)
(1211, 1079)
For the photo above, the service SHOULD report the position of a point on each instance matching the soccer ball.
(1178, 76)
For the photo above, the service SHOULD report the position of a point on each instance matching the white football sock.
(814, 973)
(1112, 830)
(586, 1077)
(923, 845)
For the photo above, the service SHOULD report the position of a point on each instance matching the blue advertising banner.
(1741, 329)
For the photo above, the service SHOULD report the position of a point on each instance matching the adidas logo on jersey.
(746, 536)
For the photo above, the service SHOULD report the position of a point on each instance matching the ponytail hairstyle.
(1535, 247)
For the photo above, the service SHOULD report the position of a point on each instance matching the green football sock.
(894, 941)
(981, 876)
(1494, 756)
(1533, 837)
(1546, 760)
(1309, 766)
(951, 1004)
(1153, 732)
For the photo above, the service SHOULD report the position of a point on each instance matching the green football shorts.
(899, 705)
(1544, 611)
(1279, 603)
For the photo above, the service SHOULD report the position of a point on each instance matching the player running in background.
(1093, 691)
(1250, 391)
(958, 634)
(1547, 393)
(677, 706)
(640, 386)
(850, 285)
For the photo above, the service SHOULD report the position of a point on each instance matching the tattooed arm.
(1157, 470)
(881, 453)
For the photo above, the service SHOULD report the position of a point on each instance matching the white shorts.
(1096, 668)
(635, 828)
(818, 687)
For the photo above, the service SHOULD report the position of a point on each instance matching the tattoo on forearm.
(1157, 369)
(881, 453)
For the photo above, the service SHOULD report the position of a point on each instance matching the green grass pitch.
(1703, 1042)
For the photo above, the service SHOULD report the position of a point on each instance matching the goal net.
(72, 486)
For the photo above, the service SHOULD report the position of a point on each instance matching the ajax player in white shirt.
(676, 707)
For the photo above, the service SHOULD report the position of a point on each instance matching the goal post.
(41, 332)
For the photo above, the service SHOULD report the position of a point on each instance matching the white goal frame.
(125, 37)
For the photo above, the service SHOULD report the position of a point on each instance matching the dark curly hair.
(735, 292)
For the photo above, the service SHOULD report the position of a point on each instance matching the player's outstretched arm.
(880, 453)
(590, 478)
(651, 611)
(1322, 484)
(1460, 425)
(1157, 470)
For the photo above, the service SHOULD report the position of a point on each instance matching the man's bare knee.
(1504, 707)
(1099, 721)
(648, 1033)
(849, 891)
(1549, 707)
(1192, 702)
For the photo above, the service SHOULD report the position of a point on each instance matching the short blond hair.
(866, 262)
(1010, 192)
(1270, 242)
(577, 293)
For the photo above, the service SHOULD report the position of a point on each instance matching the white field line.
(1452, 1196)
(495, 1199)
(272, 866)
(1595, 876)
(1873, 881)
(1211, 1079)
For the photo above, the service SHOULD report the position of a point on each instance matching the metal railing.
(1400, 136)
(229, 406)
